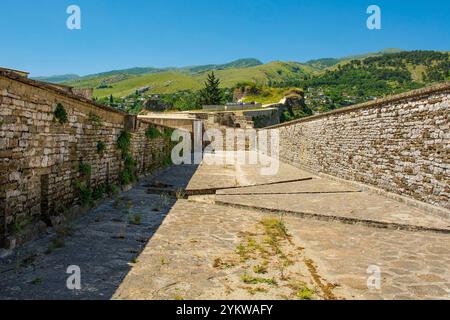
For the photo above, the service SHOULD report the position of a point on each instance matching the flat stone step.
(354, 208)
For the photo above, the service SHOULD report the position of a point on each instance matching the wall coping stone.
(53, 88)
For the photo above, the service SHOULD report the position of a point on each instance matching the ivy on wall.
(60, 114)
(128, 174)
(152, 133)
(101, 147)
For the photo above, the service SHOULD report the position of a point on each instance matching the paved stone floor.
(104, 244)
(239, 244)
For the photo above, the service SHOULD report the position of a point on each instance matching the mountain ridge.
(239, 63)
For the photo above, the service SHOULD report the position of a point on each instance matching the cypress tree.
(212, 94)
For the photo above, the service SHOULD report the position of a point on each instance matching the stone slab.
(360, 206)
(315, 185)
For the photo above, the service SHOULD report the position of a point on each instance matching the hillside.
(329, 83)
(58, 78)
(326, 63)
(361, 80)
(120, 84)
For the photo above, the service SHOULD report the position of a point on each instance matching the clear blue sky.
(126, 33)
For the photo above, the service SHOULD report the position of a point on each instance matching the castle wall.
(400, 144)
(40, 157)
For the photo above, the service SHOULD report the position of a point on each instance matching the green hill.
(359, 80)
(329, 82)
(58, 78)
(120, 84)
(326, 63)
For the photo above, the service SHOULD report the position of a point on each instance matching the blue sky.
(118, 34)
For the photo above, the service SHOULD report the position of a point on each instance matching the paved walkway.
(104, 243)
(338, 232)
(241, 235)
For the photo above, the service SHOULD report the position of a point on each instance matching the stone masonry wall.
(39, 157)
(399, 144)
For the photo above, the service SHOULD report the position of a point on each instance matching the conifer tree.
(212, 94)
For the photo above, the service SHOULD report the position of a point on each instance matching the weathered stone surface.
(33, 145)
(399, 145)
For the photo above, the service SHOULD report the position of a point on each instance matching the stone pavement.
(239, 243)
(194, 256)
(104, 243)
(413, 265)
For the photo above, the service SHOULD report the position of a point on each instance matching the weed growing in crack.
(135, 219)
(57, 243)
(181, 194)
(248, 279)
(256, 290)
(301, 290)
(260, 269)
(221, 264)
(36, 281)
(134, 261)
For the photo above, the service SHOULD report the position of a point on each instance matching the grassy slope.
(270, 95)
(169, 82)
(175, 80)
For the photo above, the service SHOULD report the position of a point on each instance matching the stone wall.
(400, 144)
(40, 157)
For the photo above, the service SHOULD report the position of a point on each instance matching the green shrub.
(135, 219)
(167, 160)
(99, 191)
(168, 133)
(101, 147)
(96, 120)
(124, 142)
(85, 193)
(60, 114)
(112, 189)
(129, 162)
(152, 133)
(85, 169)
(128, 175)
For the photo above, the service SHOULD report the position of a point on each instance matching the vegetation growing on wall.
(95, 119)
(101, 147)
(128, 173)
(152, 133)
(168, 133)
(85, 169)
(60, 114)
(83, 185)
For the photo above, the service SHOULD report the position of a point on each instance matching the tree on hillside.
(212, 94)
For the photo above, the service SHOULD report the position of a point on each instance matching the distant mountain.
(58, 78)
(131, 72)
(324, 63)
(171, 80)
(241, 63)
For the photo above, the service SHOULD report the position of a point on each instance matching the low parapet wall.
(400, 144)
(40, 157)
